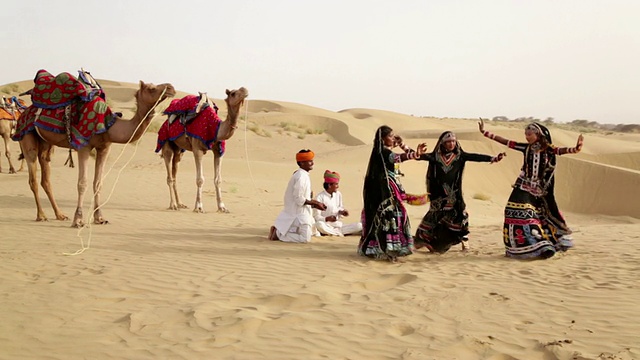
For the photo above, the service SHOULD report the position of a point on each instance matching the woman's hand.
(481, 125)
(579, 143)
(422, 149)
(498, 157)
(343, 212)
(397, 140)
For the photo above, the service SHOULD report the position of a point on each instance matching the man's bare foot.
(273, 233)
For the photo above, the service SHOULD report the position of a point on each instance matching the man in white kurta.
(329, 221)
(295, 222)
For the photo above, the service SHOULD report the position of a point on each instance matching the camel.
(9, 114)
(38, 146)
(172, 154)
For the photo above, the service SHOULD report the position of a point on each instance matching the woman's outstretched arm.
(492, 136)
(410, 153)
(570, 150)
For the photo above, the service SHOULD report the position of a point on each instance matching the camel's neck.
(124, 131)
(229, 125)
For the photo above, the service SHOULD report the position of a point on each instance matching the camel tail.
(21, 156)
(70, 160)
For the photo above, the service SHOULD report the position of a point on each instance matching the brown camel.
(38, 146)
(9, 114)
(172, 154)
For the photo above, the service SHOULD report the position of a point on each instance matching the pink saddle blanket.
(203, 126)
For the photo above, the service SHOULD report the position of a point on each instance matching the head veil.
(438, 150)
(376, 188)
(549, 171)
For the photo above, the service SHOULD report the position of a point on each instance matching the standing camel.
(37, 145)
(204, 132)
(10, 111)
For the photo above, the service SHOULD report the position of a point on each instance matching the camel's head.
(235, 98)
(150, 93)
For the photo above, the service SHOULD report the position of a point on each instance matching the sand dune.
(157, 284)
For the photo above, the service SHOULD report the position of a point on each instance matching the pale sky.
(566, 59)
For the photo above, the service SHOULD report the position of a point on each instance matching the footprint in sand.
(499, 297)
(386, 282)
(400, 330)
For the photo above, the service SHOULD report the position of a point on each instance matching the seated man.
(328, 221)
(295, 222)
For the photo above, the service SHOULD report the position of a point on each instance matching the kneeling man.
(328, 221)
(295, 222)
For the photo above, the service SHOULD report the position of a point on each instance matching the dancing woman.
(533, 224)
(386, 232)
(447, 222)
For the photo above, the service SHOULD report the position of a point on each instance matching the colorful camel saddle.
(68, 105)
(195, 116)
(12, 108)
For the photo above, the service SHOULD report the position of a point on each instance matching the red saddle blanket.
(204, 126)
(88, 110)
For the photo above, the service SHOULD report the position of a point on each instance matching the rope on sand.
(91, 217)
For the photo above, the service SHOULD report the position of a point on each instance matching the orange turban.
(331, 177)
(305, 156)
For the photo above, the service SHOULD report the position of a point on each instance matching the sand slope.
(157, 284)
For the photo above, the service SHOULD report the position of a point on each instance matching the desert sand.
(161, 284)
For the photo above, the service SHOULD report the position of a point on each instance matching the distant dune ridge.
(157, 283)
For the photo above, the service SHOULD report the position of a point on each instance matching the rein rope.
(246, 154)
(91, 217)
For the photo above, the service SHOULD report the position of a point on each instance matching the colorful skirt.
(388, 235)
(534, 227)
(443, 226)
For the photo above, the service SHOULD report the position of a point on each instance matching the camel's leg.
(7, 152)
(6, 146)
(101, 160)
(177, 156)
(44, 158)
(198, 155)
(83, 165)
(23, 159)
(172, 155)
(217, 178)
(31, 155)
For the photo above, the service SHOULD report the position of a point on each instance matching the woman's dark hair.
(376, 187)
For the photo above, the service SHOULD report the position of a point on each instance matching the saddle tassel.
(69, 160)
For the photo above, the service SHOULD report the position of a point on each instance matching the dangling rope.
(91, 217)
(246, 153)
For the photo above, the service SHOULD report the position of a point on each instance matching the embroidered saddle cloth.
(195, 116)
(56, 97)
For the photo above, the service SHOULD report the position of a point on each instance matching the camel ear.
(141, 84)
(228, 92)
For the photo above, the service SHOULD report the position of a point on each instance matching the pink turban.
(331, 177)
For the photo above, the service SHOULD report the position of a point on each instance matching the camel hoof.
(101, 222)
(182, 206)
(172, 207)
(200, 211)
(62, 217)
(223, 210)
(42, 219)
(12, 171)
(78, 225)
